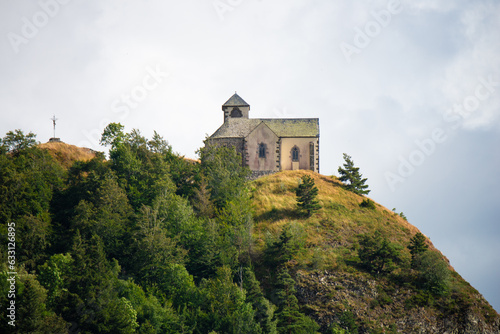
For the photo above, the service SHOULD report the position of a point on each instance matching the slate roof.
(282, 127)
(235, 101)
(293, 127)
(236, 128)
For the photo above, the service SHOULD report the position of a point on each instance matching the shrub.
(434, 275)
(378, 254)
(338, 207)
(368, 204)
(348, 322)
(290, 241)
(421, 299)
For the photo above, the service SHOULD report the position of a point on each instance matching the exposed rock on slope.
(385, 306)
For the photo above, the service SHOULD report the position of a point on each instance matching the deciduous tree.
(226, 177)
(15, 141)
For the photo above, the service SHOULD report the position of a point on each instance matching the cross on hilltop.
(54, 119)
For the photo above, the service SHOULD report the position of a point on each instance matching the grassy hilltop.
(67, 154)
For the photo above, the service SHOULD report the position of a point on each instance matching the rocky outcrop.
(379, 305)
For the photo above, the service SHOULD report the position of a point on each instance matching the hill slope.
(67, 154)
(332, 283)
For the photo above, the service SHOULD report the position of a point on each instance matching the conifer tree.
(306, 195)
(417, 246)
(378, 254)
(290, 319)
(351, 175)
(264, 309)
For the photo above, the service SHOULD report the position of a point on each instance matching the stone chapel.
(268, 145)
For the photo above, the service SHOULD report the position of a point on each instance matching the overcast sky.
(410, 89)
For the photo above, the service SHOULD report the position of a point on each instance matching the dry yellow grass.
(334, 228)
(67, 154)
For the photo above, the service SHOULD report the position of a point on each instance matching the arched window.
(262, 150)
(236, 112)
(295, 154)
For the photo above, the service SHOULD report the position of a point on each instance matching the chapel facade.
(268, 145)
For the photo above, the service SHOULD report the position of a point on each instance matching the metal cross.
(54, 119)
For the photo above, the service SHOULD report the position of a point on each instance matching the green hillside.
(333, 282)
(147, 241)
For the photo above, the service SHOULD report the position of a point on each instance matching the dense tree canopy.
(145, 242)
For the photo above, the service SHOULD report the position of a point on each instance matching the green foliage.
(141, 172)
(306, 196)
(421, 299)
(378, 254)
(113, 135)
(290, 319)
(367, 203)
(352, 178)
(401, 214)
(149, 242)
(31, 314)
(290, 242)
(223, 306)
(433, 273)
(202, 203)
(336, 329)
(29, 177)
(264, 309)
(382, 298)
(15, 141)
(89, 297)
(34, 232)
(54, 275)
(152, 317)
(348, 322)
(225, 176)
(417, 246)
(107, 214)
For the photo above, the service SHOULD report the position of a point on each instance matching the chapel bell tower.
(235, 107)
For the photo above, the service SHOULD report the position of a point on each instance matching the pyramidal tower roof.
(235, 101)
